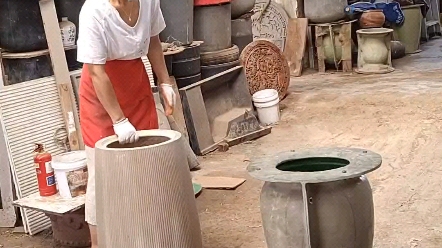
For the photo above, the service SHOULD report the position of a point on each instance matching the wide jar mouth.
(313, 164)
(148, 139)
(142, 142)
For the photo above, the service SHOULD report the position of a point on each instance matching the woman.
(115, 93)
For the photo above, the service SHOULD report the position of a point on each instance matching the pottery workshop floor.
(398, 115)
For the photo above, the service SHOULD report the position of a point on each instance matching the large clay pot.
(374, 51)
(213, 26)
(71, 230)
(21, 26)
(179, 21)
(410, 32)
(397, 50)
(145, 193)
(332, 55)
(372, 19)
(320, 11)
(22, 70)
(318, 198)
(241, 7)
(242, 34)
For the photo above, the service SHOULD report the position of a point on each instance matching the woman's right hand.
(125, 132)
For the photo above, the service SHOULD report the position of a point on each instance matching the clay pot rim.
(369, 31)
(171, 135)
(361, 162)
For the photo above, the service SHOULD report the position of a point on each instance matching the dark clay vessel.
(21, 26)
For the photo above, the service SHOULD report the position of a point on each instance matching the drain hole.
(313, 164)
(143, 141)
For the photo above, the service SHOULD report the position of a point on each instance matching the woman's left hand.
(169, 97)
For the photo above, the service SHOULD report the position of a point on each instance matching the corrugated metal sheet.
(30, 112)
(148, 69)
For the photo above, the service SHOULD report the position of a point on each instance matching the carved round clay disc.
(265, 67)
(270, 22)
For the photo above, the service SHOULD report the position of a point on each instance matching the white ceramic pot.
(68, 32)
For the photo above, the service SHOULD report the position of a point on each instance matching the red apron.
(134, 94)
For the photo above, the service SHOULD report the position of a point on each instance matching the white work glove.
(125, 132)
(169, 97)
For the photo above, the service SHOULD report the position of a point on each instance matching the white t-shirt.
(104, 36)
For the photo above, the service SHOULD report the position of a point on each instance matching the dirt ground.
(397, 115)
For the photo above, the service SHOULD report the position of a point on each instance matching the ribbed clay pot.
(144, 193)
(372, 19)
(317, 198)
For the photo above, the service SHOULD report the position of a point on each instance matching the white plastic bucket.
(70, 171)
(267, 104)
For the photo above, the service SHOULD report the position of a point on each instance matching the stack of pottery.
(212, 25)
(186, 65)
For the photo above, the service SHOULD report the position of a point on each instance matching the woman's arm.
(105, 92)
(156, 59)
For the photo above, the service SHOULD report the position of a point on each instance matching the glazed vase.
(317, 198)
(374, 51)
(145, 194)
(68, 32)
(372, 19)
(325, 11)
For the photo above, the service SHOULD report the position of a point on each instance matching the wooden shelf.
(28, 55)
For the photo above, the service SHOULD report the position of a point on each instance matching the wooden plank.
(248, 137)
(51, 204)
(219, 182)
(320, 48)
(295, 44)
(61, 71)
(197, 121)
(8, 215)
(178, 114)
(345, 38)
(3, 81)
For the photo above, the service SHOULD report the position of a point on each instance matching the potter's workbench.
(55, 204)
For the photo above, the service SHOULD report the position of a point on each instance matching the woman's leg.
(91, 211)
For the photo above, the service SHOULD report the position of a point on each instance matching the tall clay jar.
(324, 11)
(317, 198)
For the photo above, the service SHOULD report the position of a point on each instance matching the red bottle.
(45, 173)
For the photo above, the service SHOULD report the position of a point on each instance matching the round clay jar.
(372, 19)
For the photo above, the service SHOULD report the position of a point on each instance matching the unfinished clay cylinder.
(318, 198)
(144, 193)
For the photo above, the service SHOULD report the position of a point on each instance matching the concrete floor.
(397, 115)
